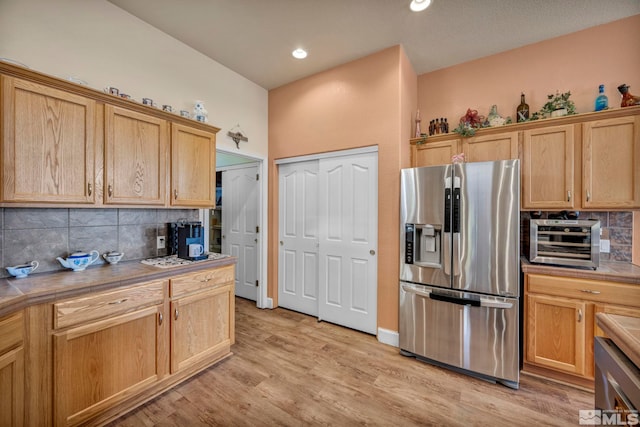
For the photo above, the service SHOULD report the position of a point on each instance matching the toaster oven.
(574, 243)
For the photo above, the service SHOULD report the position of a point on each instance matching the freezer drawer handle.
(454, 300)
(494, 304)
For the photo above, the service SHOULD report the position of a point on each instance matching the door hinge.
(257, 228)
(257, 283)
(257, 177)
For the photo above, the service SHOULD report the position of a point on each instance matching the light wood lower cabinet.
(91, 358)
(202, 317)
(100, 364)
(12, 370)
(560, 323)
(557, 334)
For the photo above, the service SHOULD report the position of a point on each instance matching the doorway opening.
(235, 225)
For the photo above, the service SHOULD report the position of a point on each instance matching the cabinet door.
(434, 153)
(556, 333)
(488, 148)
(202, 327)
(100, 364)
(611, 159)
(193, 167)
(48, 144)
(12, 388)
(547, 168)
(135, 157)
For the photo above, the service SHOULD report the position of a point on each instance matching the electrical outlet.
(160, 242)
(605, 246)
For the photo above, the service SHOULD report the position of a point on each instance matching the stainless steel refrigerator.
(459, 267)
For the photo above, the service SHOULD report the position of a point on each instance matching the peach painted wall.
(363, 103)
(607, 54)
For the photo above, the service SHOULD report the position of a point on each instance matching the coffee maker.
(186, 239)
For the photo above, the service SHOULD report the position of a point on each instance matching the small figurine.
(200, 113)
(418, 130)
(628, 100)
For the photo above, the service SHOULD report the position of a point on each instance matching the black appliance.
(181, 235)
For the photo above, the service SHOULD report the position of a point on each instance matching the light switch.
(160, 242)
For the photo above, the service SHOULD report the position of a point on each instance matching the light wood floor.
(290, 370)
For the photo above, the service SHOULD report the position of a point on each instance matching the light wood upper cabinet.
(486, 148)
(48, 144)
(548, 157)
(135, 157)
(611, 163)
(434, 153)
(193, 167)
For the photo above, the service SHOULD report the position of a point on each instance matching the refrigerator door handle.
(447, 210)
(494, 304)
(454, 300)
(456, 210)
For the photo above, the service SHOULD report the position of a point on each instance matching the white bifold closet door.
(331, 206)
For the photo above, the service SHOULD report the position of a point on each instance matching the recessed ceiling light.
(299, 53)
(419, 5)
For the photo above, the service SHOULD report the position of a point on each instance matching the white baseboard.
(269, 303)
(385, 336)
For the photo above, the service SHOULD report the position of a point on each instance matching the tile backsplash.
(618, 226)
(28, 234)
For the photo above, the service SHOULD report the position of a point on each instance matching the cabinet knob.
(579, 315)
(175, 314)
(589, 291)
(160, 318)
(175, 194)
(89, 188)
(588, 196)
(568, 195)
(110, 190)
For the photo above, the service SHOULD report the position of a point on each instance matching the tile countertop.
(624, 331)
(623, 272)
(16, 294)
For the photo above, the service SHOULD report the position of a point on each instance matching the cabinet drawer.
(584, 289)
(201, 280)
(11, 331)
(105, 304)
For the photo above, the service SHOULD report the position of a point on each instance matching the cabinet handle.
(579, 315)
(589, 291)
(110, 190)
(175, 314)
(175, 194)
(118, 302)
(160, 318)
(205, 280)
(568, 195)
(89, 188)
(588, 196)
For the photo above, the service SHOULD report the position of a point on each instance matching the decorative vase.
(560, 112)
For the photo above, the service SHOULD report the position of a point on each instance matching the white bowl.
(113, 257)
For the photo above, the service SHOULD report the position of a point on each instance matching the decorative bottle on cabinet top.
(522, 112)
(602, 102)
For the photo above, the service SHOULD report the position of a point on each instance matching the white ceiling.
(255, 37)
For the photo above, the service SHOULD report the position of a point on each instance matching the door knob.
(372, 252)
(255, 240)
(281, 243)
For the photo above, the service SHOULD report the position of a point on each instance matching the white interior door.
(240, 233)
(348, 230)
(298, 231)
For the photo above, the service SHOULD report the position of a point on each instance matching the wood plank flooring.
(290, 370)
